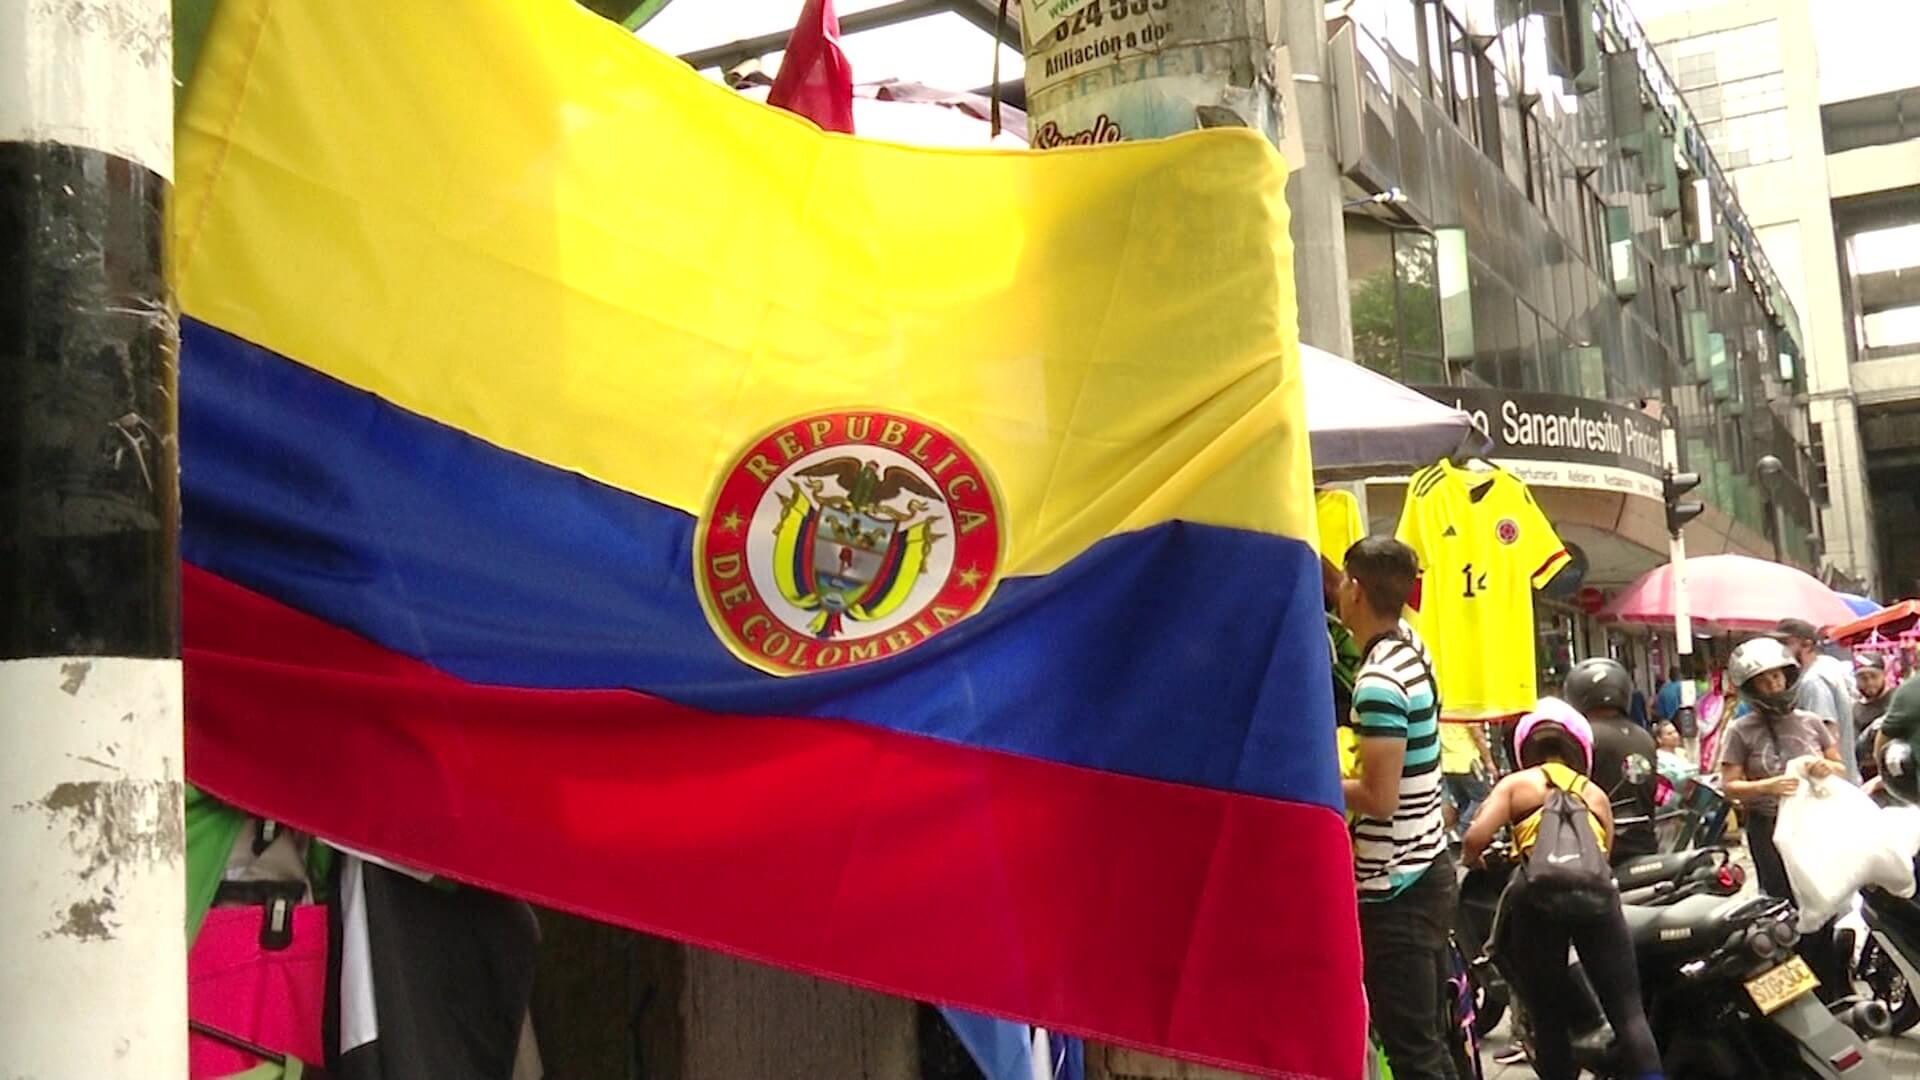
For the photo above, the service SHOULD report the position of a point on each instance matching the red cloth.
(272, 998)
(815, 79)
(908, 864)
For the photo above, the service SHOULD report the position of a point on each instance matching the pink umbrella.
(1731, 592)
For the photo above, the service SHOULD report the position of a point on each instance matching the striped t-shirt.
(1394, 697)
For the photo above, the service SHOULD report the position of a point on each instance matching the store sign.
(1562, 441)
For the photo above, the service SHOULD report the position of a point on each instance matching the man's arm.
(1375, 793)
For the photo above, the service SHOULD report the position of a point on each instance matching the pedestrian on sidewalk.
(1402, 870)
(1825, 686)
(1754, 753)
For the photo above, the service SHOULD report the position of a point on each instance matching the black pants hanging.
(1818, 948)
(1532, 952)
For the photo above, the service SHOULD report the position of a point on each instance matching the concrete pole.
(92, 883)
(1313, 187)
(1108, 70)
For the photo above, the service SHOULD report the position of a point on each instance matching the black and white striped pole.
(92, 890)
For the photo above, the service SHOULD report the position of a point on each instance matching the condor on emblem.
(843, 538)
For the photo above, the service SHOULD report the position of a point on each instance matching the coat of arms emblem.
(846, 538)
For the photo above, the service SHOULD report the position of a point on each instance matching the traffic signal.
(1679, 512)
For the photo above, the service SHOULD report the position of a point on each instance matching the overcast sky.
(942, 50)
(1866, 46)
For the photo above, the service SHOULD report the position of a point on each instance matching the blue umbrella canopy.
(1861, 605)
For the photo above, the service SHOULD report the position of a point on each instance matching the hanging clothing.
(1484, 546)
(212, 828)
(1337, 512)
(271, 997)
(427, 979)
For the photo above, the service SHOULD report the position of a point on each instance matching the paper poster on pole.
(1101, 71)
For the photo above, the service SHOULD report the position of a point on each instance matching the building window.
(1433, 46)
(1460, 59)
(1895, 330)
(1394, 301)
(1394, 22)
(1879, 251)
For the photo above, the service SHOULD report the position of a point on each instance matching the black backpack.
(1566, 875)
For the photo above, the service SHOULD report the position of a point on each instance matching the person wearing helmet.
(1554, 746)
(1870, 680)
(1754, 753)
(1825, 687)
(1893, 749)
(1625, 759)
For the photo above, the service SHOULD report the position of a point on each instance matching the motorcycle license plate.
(1779, 986)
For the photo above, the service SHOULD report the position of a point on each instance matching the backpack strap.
(1576, 784)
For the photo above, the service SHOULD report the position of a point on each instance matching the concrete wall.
(1878, 382)
(1874, 168)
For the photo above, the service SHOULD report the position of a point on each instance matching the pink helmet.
(1551, 710)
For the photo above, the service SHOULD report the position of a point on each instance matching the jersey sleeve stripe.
(1551, 567)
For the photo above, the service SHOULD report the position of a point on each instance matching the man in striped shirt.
(1402, 871)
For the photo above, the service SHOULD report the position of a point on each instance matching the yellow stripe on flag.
(512, 218)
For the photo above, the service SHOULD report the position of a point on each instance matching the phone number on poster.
(1096, 13)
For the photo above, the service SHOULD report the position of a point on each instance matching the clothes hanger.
(228, 1038)
(1469, 453)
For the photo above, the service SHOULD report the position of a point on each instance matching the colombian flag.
(892, 564)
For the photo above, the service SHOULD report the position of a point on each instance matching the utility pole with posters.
(92, 889)
(1103, 71)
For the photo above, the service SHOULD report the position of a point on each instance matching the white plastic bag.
(1834, 840)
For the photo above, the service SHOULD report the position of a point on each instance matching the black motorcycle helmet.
(1599, 683)
(1899, 770)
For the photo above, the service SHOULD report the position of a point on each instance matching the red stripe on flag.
(1201, 923)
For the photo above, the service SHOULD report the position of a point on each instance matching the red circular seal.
(1508, 530)
(843, 538)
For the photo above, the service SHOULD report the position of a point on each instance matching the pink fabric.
(274, 999)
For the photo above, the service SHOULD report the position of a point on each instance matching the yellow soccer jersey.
(1484, 546)
(1340, 525)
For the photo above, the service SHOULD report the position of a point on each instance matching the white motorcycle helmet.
(1755, 657)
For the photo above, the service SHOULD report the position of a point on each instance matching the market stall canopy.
(1894, 619)
(1861, 605)
(1731, 592)
(1362, 423)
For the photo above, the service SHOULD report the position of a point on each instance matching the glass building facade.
(1605, 255)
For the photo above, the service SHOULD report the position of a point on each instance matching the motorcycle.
(1725, 994)
(1646, 880)
(1889, 961)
